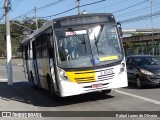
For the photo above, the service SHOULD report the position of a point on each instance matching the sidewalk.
(18, 62)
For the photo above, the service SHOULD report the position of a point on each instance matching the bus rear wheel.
(33, 82)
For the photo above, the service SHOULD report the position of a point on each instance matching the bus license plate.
(98, 85)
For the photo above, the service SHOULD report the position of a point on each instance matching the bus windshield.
(89, 47)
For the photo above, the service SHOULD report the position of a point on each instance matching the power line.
(22, 26)
(2, 17)
(49, 5)
(59, 13)
(15, 4)
(39, 9)
(109, 5)
(123, 21)
(10, 4)
(21, 16)
(155, 14)
(92, 3)
(2, 14)
(1, 2)
(73, 9)
(130, 6)
(3, 7)
(135, 11)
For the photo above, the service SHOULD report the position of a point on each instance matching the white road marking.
(139, 97)
(3, 80)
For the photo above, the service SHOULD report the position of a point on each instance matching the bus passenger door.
(25, 60)
(52, 61)
(35, 66)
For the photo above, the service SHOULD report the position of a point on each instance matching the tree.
(126, 46)
(2, 41)
(17, 34)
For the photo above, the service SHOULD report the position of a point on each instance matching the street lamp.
(151, 1)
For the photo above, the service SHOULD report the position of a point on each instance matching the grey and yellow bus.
(75, 55)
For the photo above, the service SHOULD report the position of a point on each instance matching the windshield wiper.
(97, 40)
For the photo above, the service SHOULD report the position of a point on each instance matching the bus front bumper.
(69, 88)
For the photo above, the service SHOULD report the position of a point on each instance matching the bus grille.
(105, 77)
(90, 76)
(84, 80)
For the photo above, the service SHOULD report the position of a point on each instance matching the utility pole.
(153, 45)
(153, 49)
(36, 21)
(8, 42)
(78, 7)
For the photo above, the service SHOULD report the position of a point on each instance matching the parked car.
(143, 70)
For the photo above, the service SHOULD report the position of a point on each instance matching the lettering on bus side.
(106, 72)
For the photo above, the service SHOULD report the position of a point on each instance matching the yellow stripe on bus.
(108, 58)
(82, 76)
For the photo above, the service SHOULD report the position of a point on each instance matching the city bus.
(75, 55)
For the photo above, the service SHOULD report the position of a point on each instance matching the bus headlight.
(122, 67)
(63, 75)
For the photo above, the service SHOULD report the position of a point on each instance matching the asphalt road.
(21, 96)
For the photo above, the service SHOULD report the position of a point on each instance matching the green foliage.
(127, 45)
(2, 41)
(17, 35)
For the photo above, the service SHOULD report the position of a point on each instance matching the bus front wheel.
(51, 88)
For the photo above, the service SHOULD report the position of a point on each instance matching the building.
(142, 43)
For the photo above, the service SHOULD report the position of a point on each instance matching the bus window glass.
(105, 45)
(73, 49)
(106, 42)
(97, 45)
(38, 47)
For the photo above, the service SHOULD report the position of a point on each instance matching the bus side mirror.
(119, 29)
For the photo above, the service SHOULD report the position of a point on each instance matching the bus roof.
(36, 32)
(83, 15)
(68, 20)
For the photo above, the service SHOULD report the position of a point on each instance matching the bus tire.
(51, 88)
(106, 91)
(33, 82)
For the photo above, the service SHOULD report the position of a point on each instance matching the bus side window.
(34, 50)
(26, 52)
(50, 44)
(38, 47)
(44, 46)
(50, 50)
